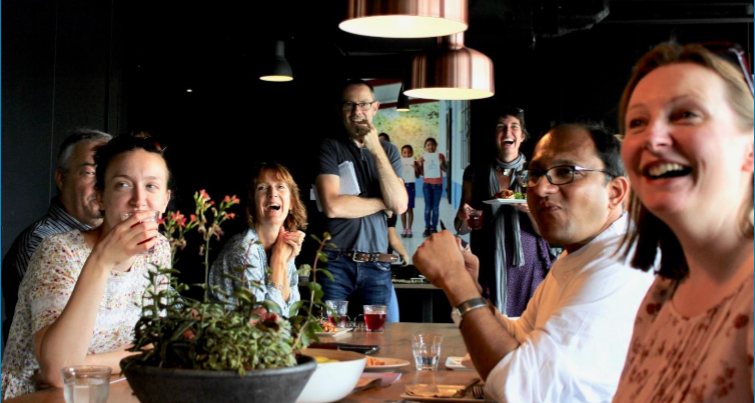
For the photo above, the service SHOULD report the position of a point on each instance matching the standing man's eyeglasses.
(558, 175)
(734, 54)
(363, 106)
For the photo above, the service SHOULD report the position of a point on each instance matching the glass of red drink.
(374, 317)
(337, 310)
(474, 219)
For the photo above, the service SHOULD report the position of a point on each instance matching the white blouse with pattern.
(44, 292)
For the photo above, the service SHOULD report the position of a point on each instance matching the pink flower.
(192, 218)
(203, 194)
(231, 215)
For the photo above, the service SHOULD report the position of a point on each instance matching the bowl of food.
(336, 375)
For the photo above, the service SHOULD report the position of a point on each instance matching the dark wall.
(60, 71)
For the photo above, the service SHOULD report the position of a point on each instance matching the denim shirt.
(244, 250)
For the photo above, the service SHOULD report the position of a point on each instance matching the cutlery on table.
(462, 392)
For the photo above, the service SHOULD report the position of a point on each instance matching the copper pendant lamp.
(451, 72)
(405, 18)
(279, 70)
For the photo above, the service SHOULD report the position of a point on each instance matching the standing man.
(75, 207)
(571, 342)
(358, 180)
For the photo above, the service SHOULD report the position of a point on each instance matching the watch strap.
(470, 305)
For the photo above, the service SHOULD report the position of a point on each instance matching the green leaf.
(304, 270)
(295, 308)
(315, 237)
(327, 274)
(314, 286)
(238, 269)
(272, 307)
(322, 256)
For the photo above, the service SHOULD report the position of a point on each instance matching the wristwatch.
(457, 314)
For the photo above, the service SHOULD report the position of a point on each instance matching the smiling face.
(406, 152)
(272, 199)
(571, 215)
(686, 156)
(508, 138)
(431, 146)
(76, 185)
(352, 118)
(134, 180)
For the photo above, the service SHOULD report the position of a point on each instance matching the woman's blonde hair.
(651, 233)
(297, 217)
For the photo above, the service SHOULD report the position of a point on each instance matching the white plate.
(340, 331)
(505, 201)
(465, 399)
(389, 364)
(455, 364)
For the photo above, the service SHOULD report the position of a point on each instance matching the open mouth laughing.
(666, 170)
(273, 207)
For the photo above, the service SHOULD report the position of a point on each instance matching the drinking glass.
(374, 317)
(86, 383)
(154, 217)
(474, 219)
(426, 351)
(337, 312)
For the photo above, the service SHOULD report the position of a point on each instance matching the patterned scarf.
(499, 217)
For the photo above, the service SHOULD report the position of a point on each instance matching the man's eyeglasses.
(363, 106)
(559, 175)
(734, 54)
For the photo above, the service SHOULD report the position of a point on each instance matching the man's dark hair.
(350, 82)
(387, 137)
(607, 146)
(74, 138)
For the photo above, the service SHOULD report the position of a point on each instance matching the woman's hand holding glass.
(137, 234)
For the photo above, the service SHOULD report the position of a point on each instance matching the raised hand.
(127, 239)
(295, 240)
(282, 248)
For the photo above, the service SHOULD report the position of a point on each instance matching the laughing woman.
(267, 249)
(687, 116)
(82, 293)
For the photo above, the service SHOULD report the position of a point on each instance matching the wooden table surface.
(395, 342)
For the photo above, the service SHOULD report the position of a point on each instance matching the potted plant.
(192, 350)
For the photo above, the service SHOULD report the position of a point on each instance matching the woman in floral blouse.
(687, 116)
(81, 295)
(266, 251)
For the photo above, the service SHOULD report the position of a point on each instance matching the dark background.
(123, 67)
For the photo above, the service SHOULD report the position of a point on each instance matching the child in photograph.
(432, 164)
(409, 173)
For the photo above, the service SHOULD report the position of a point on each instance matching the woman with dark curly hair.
(267, 249)
(687, 117)
(514, 259)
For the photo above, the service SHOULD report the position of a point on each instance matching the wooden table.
(395, 342)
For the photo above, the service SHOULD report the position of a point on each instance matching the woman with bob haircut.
(82, 294)
(267, 249)
(687, 117)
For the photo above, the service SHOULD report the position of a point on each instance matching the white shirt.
(575, 332)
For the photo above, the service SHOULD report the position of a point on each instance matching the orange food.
(504, 194)
(328, 327)
(372, 361)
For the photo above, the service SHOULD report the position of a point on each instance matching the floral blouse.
(706, 358)
(244, 250)
(45, 290)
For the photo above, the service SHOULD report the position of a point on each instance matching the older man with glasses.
(571, 342)
(357, 183)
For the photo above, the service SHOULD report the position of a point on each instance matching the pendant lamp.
(451, 72)
(405, 18)
(279, 70)
(402, 105)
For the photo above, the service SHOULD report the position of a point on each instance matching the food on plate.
(324, 360)
(328, 327)
(372, 362)
(510, 194)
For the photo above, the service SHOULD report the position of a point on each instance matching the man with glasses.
(357, 183)
(571, 342)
